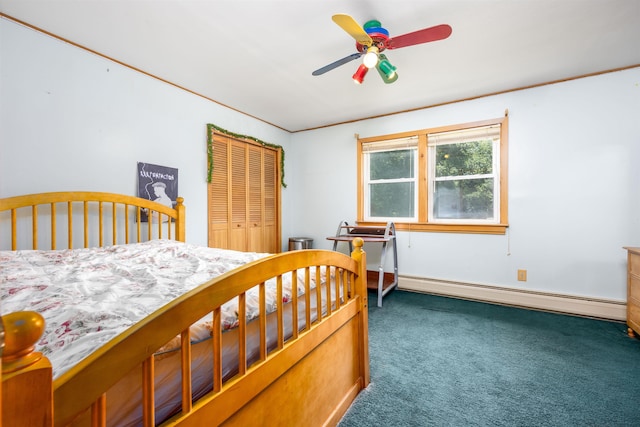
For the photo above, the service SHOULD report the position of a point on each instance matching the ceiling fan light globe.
(358, 77)
(392, 79)
(370, 59)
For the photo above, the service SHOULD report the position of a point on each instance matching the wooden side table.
(633, 290)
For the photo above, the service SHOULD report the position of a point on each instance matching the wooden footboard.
(308, 379)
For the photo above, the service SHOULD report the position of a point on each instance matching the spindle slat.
(242, 333)
(318, 295)
(279, 312)
(294, 304)
(148, 392)
(327, 289)
(185, 361)
(99, 412)
(262, 303)
(53, 226)
(85, 222)
(216, 335)
(70, 225)
(34, 226)
(307, 298)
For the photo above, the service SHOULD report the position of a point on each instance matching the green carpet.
(439, 361)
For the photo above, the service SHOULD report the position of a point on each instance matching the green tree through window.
(464, 183)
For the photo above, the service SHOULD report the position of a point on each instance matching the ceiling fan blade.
(354, 29)
(432, 34)
(336, 64)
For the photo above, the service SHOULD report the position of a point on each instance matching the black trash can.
(296, 243)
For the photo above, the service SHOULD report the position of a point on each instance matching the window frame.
(423, 202)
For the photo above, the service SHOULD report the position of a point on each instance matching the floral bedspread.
(88, 296)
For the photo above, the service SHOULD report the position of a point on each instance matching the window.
(391, 179)
(463, 171)
(445, 179)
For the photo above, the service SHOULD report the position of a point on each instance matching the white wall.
(573, 188)
(72, 120)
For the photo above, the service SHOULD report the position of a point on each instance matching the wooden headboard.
(90, 219)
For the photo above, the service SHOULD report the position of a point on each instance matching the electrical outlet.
(522, 275)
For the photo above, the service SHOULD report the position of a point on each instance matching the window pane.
(464, 199)
(468, 158)
(392, 200)
(391, 164)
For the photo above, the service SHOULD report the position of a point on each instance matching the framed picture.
(157, 183)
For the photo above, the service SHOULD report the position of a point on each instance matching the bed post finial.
(27, 376)
(358, 242)
(22, 331)
(360, 256)
(180, 223)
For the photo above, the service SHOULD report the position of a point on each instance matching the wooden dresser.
(633, 290)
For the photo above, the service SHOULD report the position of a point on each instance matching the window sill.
(446, 228)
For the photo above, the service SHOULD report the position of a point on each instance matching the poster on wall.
(157, 183)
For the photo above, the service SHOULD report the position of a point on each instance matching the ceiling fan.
(372, 39)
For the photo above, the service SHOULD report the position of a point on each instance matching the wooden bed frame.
(309, 379)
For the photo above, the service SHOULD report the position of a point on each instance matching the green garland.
(211, 128)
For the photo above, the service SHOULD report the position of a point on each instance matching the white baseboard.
(568, 304)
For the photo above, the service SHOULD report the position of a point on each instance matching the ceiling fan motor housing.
(378, 34)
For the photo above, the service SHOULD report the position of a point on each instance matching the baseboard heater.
(567, 304)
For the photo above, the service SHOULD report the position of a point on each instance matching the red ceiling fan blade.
(439, 32)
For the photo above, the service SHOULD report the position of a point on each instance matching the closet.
(244, 196)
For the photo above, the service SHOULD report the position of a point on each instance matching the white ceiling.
(257, 56)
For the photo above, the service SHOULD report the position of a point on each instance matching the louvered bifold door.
(255, 241)
(270, 191)
(219, 194)
(238, 173)
(244, 197)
